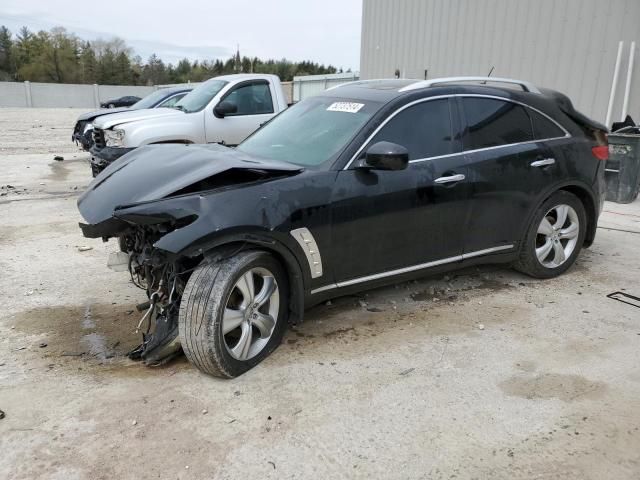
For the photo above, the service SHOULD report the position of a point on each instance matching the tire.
(111, 105)
(214, 297)
(550, 237)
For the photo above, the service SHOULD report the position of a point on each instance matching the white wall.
(12, 94)
(29, 94)
(310, 85)
(567, 45)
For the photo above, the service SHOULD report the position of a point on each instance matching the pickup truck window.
(251, 99)
(200, 96)
(150, 100)
(311, 132)
(171, 102)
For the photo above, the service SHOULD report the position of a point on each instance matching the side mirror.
(225, 108)
(386, 156)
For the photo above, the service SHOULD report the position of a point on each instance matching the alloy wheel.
(251, 313)
(557, 236)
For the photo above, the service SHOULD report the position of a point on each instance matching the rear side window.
(423, 129)
(494, 122)
(543, 127)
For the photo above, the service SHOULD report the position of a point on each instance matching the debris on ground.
(2, 415)
(42, 345)
(58, 158)
(480, 326)
(407, 371)
(84, 248)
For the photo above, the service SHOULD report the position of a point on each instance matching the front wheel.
(554, 238)
(233, 313)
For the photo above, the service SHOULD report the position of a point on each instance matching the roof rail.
(526, 86)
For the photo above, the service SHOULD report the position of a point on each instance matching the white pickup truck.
(224, 109)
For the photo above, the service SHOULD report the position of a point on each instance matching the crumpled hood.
(129, 116)
(100, 113)
(154, 172)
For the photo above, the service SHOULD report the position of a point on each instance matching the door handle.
(543, 162)
(450, 179)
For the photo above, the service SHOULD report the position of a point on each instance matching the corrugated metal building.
(568, 45)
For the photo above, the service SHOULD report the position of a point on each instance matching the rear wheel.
(111, 105)
(234, 313)
(554, 238)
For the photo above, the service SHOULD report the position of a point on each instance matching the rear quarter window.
(543, 127)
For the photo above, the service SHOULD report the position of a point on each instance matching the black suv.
(370, 183)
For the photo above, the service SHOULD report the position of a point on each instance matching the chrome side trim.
(413, 268)
(486, 251)
(526, 86)
(438, 97)
(310, 248)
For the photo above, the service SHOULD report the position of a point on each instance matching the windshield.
(310, 132)
(150, 100)
(200, 96)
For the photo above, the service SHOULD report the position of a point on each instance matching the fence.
(47, 95)
(309, 85)
(33, 94)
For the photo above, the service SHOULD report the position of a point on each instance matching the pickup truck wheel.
(233, 313)
(554, 238)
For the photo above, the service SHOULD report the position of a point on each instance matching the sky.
(326, 31)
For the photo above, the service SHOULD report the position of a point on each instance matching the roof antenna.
(489, 74)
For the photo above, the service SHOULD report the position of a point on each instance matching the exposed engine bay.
(163, 280)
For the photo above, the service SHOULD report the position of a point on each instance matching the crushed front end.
(163, 278)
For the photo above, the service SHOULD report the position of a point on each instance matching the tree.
(6, 46)
(88, 64)
(60, 56)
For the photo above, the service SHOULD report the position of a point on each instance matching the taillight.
(601, 152)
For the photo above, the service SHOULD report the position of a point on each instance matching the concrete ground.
(480, 374)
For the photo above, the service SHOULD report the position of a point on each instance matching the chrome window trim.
(459, 95)
(412, 268)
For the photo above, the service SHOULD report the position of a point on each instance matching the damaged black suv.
(369, 183)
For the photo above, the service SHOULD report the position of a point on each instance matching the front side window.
(311, 132)
(424, 129)
(491, 123)
(251, 99)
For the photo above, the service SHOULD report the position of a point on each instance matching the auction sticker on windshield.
(348, 107)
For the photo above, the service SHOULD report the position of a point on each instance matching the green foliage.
(61, 57)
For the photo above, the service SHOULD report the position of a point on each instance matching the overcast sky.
(326, 31)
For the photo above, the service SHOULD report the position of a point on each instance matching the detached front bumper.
(82, 136)
(103, 157)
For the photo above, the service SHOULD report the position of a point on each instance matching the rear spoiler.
(567, 108)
